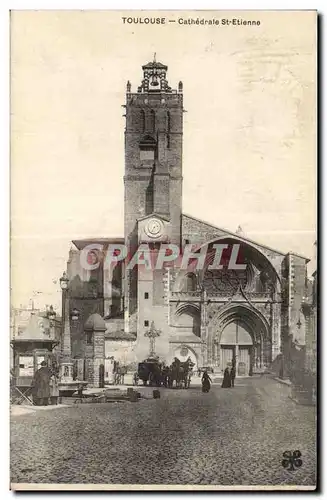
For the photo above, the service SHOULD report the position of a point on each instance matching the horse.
(136, 379)
(119, 374)
(155, 377)
(165, 376)
(186, 373)
(180, 372)
(174, 373)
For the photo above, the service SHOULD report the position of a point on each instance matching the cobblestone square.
(228, 437)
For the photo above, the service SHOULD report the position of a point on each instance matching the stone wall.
(121, 350)
(154, 308)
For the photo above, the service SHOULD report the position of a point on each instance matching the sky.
(249, 153)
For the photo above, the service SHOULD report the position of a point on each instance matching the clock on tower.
(154, 228)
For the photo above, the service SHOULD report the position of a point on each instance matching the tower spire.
(154, 77)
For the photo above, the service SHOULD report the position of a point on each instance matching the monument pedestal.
(67, 386)
(66, 372)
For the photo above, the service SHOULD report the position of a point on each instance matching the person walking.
(41, 385)
(227, 378)
(206, 382)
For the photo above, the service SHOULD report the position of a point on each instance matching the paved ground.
(227, 437)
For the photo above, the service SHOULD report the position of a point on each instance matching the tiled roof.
(120, 335)
(232, 235)
(80, 244)
(35, 328)
(154, 64)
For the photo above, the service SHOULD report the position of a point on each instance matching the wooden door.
(244, 360)
(226, 356)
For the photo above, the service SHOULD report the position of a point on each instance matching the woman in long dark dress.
(206, 382)
(227, 381)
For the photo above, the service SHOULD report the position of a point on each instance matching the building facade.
(251, 313)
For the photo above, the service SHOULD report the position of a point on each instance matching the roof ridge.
(242, 238)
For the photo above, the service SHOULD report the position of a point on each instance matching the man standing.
(233, 371)
(232, 375)
(41, 385)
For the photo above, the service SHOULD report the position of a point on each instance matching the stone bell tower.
(153, 175)
(153, 150)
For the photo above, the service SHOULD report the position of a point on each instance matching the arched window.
(188, 318)
(152, 121)
(190, 283)
(168, 125)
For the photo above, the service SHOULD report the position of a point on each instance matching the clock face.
(154, 228)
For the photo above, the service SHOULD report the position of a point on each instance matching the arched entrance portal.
(237, 346)
(240, 333)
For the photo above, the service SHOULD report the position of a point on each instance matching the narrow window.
(168, 126)
(142, 120)
(190, 283)
(168, 122)
(152, 121)
(146, 295)
(146, 323)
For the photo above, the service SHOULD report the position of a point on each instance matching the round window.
(184, 351)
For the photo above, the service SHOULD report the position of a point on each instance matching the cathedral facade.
(213, 314)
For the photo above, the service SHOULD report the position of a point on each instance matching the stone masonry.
(251, 315)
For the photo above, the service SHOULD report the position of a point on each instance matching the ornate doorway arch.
(245, 334)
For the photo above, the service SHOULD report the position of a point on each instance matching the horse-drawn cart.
(150, 371)
(156, 374)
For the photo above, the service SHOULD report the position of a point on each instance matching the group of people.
(119, 373)
(229, 377)
(228, 380)
(159, 374)
(45, 386)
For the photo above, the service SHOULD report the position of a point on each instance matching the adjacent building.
(35, 337)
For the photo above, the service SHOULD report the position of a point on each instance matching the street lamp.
(75, 314)
(152, 334)
(66, 366)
